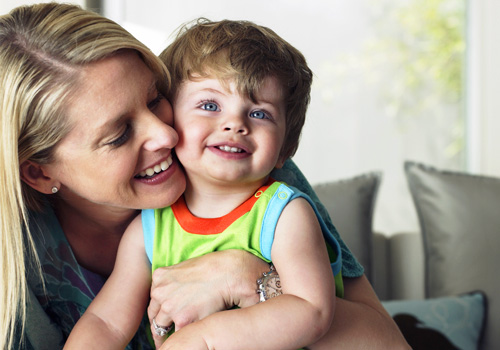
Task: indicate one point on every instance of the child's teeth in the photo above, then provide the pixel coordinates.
(230, 149)
(150, 171)
(164, 165)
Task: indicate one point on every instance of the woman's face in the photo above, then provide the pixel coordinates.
(119, 150)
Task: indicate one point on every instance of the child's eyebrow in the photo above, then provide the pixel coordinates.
(209, 90)
(215, 91)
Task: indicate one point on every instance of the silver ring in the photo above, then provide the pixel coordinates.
(160, 330)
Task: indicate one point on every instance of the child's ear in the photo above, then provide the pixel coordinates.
(280, 162)
(33, 174)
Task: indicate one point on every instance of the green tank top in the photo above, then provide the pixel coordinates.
(173, 234)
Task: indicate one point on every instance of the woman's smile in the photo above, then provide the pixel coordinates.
(123, 147)
(156, 169)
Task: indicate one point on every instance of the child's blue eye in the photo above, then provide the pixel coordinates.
(210, 106)
(259, 115)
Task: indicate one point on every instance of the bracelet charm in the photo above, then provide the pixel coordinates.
(269, 285)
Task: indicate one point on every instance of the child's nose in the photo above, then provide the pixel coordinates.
(235, 123)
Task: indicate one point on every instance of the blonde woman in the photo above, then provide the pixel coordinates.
(86, 141)
(74, 142)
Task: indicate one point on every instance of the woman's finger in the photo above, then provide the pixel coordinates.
(161, 330)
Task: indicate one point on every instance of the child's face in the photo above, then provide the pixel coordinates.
(225, 137)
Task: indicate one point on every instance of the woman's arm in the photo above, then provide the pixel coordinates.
(361, 322)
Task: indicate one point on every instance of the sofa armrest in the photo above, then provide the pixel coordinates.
(398, 265)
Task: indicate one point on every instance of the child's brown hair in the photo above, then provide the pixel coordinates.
(245, 53)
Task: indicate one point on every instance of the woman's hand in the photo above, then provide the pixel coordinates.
(201, 286)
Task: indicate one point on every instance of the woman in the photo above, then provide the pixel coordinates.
(86, 142)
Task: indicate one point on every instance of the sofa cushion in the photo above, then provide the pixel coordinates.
(440, 323)
(459, 216)
(350, 203)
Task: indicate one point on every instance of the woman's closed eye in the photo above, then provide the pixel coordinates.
(155, 102)
(120, 140)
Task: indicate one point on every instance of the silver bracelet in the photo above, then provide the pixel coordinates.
(269, 286)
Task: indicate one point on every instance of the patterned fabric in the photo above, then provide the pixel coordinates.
(69, 288)
(178, 235)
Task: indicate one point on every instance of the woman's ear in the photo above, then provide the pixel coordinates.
(34, 176)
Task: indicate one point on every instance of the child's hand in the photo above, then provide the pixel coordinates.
(188, 337)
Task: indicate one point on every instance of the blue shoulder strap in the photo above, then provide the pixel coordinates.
(280, 199)
(148, 229)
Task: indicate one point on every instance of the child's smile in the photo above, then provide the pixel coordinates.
(225, 137)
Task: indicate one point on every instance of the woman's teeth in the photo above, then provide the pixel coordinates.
(230, 149)
(157, 168)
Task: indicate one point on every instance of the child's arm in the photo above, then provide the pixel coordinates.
(114, 315)
(290, 321)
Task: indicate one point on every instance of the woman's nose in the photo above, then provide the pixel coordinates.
(160, 135)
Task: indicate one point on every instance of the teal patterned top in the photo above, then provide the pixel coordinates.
(292, 175)
(69, 288)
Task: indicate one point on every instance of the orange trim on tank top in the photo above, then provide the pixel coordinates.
(211, 226)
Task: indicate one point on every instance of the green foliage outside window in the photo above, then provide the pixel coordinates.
(422, 45)
(428, 41)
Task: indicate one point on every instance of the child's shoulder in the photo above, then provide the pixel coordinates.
(280, 194)
(283, 189)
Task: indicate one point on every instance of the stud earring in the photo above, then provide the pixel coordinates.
(54, 189)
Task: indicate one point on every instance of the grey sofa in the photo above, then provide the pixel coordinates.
(442, 279)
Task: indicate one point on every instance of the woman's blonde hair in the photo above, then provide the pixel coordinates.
(42, 50)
